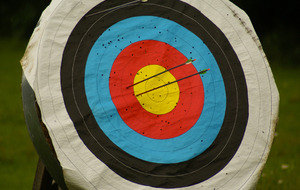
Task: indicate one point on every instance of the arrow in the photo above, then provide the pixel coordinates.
(186, 63)
(200, 72)
(117, 7)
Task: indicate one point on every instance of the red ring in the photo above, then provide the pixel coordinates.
(190, 104)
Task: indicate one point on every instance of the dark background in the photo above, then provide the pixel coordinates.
(277, 25)
(275, 21)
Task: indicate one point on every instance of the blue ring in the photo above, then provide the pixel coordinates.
(97, 72)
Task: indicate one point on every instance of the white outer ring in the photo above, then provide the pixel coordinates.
(82, 170)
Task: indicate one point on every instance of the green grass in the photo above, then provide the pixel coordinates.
(283, 165)
(18, 158)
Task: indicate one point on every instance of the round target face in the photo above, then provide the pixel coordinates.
(191, 122)
(153, 94)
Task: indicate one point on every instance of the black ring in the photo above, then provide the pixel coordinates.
(187, 173)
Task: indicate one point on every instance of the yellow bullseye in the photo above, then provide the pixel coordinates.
(159, 101)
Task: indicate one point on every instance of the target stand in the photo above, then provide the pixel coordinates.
(149, 94)
(43, 180)
(40, 137)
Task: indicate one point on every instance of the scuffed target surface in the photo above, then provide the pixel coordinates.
(74, 70)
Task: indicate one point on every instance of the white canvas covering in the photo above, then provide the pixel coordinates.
(81, 168)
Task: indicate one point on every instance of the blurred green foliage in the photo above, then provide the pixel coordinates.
(18, 159)
(270, 15)
(18, 18)
(282, 168)
(276, 23)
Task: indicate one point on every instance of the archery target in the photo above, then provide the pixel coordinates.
(159, 146)
(183, 121)
(186, 134)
